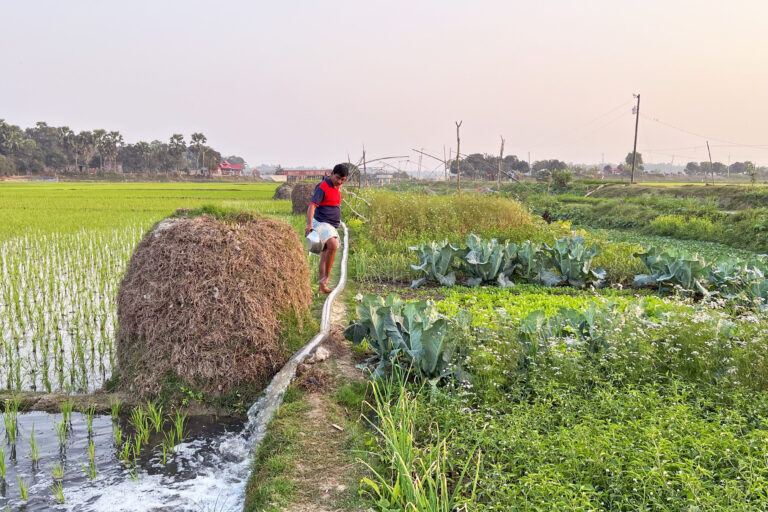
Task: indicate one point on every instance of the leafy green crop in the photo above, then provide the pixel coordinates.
(436, 260)
(410, 332)
(572, 260)
(489, 260)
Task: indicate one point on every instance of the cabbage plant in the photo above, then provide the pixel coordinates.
(668, 267)
(436, 260)
(489, 260)
(572, 260)
(411, 333)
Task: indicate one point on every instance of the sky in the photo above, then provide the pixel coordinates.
(313, 82)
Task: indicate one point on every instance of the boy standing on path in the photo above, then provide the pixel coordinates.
(324, 216)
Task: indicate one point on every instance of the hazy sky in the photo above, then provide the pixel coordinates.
(309, 82)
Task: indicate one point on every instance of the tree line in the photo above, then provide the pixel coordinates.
(45, 148)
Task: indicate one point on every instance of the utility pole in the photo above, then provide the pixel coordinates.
(445, 163)
(501, 155)
(711, 167)
(458, 158)
(420, 164)
(634, 149)
(365, 170)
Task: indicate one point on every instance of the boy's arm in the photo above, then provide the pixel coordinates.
(310, 215)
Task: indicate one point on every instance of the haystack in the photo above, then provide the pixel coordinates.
(201, 301)
(283, 191)
(301, 195)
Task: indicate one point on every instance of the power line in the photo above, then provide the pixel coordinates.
(728, 142)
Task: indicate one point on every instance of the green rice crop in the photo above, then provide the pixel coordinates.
(63, 250)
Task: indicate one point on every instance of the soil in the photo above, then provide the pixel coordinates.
(325, 473)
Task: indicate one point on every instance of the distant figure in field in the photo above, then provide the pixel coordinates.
(324, 216)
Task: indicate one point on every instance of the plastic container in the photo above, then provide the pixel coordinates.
(313, 243)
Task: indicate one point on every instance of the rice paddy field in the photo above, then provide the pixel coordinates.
(63, 250)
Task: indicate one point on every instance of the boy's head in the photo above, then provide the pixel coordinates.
(340, 173)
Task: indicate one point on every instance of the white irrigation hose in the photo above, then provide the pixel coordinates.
(261, 412)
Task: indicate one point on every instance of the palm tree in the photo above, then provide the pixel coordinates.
(176, 148)
(198, 139)
(99, 143)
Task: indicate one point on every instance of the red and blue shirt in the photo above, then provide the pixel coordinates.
(327, 200)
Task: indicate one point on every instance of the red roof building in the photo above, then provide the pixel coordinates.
(229, 169)
(303, 174)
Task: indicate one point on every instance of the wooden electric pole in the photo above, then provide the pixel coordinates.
(501, 155)
(634, 149)
(711, 167)
(458, 158)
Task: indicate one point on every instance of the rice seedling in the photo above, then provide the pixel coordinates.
(140, 423)
(118, 435)
(3, 469)
(125, 452)
(169, 441)
(178, 425)
(114, 406)
(61, 433)
(136, 448)
(57, 471)
(90, 469)
(23, 486)
(67, 407)
(155, 413)
(57, 490)
(89, 413)
(34, 450)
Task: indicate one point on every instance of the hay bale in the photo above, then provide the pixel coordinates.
(301, 196)
(283, 191)
(201, 301)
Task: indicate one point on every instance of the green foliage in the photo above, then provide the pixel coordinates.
(488, 261)
(394, 215)
(436, 260)
(572, 259)
(561, 178)
(413, 334)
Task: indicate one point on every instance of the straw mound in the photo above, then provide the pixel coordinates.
(201, 301)
(301, 196)
(283, 191)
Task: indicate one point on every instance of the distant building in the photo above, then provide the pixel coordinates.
(227, 169)
(303, 174)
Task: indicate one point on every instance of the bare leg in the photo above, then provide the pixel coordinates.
(326, 264)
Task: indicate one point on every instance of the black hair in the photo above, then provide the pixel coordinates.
(342, 169)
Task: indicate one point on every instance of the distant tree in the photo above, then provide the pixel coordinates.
(176, 149)
(719, 167)
(85, 148)
(7, 166)
(607, 168)
(198, 141)
(29, 158)
(737, 168)
(549, 165)
(98, 143)
(705, 167)
(751, 171)
(235, 160)
(561, 178)
(692, 168)
(638, 164)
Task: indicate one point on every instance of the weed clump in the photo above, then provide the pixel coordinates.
(202, 299)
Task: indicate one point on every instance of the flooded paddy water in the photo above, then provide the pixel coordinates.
(206, 472)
